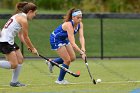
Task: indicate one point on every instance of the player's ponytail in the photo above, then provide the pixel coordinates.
(25, 7)
(19, 6)
(68, 16)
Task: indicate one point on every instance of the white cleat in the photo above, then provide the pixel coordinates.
(50, 67)
(62, 82)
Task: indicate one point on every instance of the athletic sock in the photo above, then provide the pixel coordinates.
(5, 64)
(58, 60)
(15, 73)
(62, 72)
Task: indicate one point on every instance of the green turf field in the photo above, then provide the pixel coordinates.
(118, 76)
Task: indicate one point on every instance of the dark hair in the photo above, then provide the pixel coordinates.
(25, 7)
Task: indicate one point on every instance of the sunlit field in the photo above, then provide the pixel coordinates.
(117, 75)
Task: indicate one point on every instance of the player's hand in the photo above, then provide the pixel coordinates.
(83, 50)
(33, 50)
(83, 55)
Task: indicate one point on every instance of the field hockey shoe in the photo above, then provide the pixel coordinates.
(62, 82)
(50, 67)
(17, 84)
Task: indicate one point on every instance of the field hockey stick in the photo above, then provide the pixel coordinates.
(61, 67)
(93, 80)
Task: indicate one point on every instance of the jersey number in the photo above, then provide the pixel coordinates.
(8, 23)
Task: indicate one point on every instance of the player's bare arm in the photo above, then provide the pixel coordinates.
(68, 27)
(81, 37)
(24, 24)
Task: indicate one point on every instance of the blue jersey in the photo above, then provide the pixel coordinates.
(59, 37)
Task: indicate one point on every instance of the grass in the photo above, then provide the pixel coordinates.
(115, 75)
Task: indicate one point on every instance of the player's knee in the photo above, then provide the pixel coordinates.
(20, 61)
(14, 65)
(67, 60)
(73, 58)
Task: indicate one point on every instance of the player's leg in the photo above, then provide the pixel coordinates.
(51, 65)
(16, 71)
(54, 46)
(60, 60)
(11, 62)
(71, 52)
(8, 51)
(72, 56)
(12, 58)
(63, 53)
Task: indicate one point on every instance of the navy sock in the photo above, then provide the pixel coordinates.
(58, 60)
(62, 72)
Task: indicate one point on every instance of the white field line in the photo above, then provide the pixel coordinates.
(117, 82)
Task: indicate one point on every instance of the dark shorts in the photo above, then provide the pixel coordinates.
(6, 48)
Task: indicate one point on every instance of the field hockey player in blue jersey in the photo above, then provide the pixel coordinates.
(62, 40)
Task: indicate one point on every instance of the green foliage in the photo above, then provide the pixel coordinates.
(88, 5)
(85, 5)
(50, 4)
(44, 4)
(111, 5)
(58, 4)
